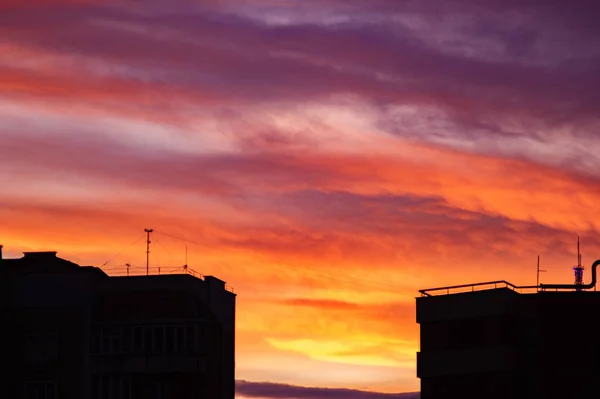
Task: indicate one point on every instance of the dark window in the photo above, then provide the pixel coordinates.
(127, 339)
(126, 386)
(199, 337)
(105, 386)
(105, 344)
(170, 339)
(111, 386)
(180, 339)
(95, 382)
(148, 339)
(435, 336)
(138, 340)
(41, 347)
(191, 338)
(467, 333)
(160, 390)
(40, 390)
(96, 338)
(116, 342)
(158, 339)
(115, 386)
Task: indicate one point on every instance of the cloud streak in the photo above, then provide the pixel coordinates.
(282, 391)
(326, 158)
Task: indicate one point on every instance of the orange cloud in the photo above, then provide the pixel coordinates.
(292, 158)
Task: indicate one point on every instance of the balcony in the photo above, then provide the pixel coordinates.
(153, 364)
(451, 362)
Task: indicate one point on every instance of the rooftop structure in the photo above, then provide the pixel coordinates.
(75, 332)
(498, 340)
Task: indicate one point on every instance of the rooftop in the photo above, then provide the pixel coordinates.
(140, 271)
(49, 262)
(488, 285)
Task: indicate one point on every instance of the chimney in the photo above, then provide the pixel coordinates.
(0, 253)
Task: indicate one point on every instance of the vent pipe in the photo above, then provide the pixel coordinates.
(574, 286)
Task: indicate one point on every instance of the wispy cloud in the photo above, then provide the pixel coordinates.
(326, 158)
(276, 391)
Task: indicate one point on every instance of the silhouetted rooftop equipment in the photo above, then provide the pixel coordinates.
(488, 285)
(578, 269)
(148, 231)
(492, 285)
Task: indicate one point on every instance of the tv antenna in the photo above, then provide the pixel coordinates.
(186, 259)
(148, 231)
(537, 282)
(578, 269)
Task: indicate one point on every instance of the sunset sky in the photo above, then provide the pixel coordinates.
(327, 158)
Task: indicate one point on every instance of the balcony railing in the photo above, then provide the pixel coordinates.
(128, 270)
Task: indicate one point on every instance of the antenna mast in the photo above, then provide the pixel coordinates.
(537, 282)
(148, 231)
(578, 270)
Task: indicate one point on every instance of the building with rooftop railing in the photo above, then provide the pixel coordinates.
(498, 340)
(75, 332)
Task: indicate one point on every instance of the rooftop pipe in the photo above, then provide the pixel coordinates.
(575, 286)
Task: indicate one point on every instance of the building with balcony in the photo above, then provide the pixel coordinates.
(496, 340)
(73, 332)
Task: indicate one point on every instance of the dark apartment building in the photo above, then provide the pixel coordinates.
(497, 340)
(73, 332)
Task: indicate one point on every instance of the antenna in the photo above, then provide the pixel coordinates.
(578, 270)
(537, 282)
(148, 231)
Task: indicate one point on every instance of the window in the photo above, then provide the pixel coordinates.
(158, 339)
(148, 339)
(116, 341)
(467, 333)
(127, 339)
(96, 340)
(111, 386)
(201, 342)
(180, 339)
(160, 390)
(170, 339)
(40, 390)
(106, 339)
(138, 342)
(40, 347)
(191, 338)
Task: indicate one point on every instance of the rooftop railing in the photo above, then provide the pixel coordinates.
(127, 270)
(488, 285)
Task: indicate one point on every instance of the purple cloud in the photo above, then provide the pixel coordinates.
(389, 63)
(507, 78)
(283, 391)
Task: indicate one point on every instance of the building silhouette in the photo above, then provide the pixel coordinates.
(497, 340)
(73, 332)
